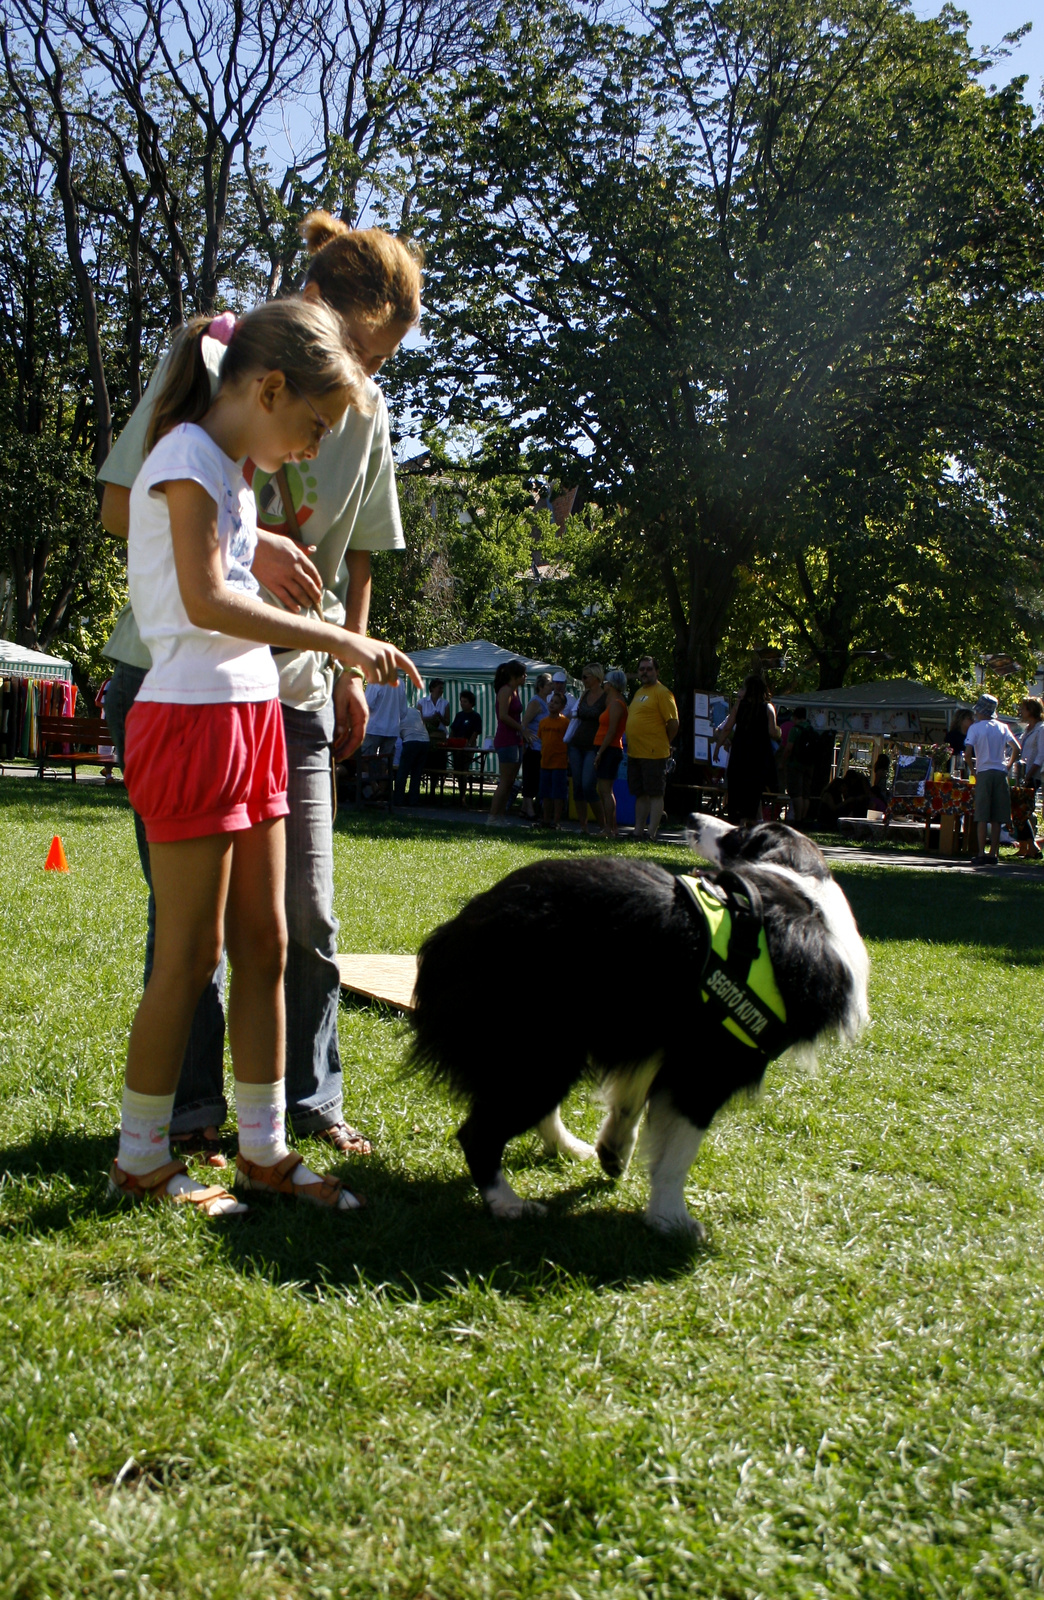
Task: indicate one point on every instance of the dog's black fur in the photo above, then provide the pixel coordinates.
(631, 1017)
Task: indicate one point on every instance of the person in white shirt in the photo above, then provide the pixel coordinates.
(416, 748)
(1031, 711)
(987, 742)
(560, 685)
(386, 702)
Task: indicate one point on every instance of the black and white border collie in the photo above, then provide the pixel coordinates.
(635, 1016)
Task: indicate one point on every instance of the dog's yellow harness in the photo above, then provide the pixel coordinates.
(737, 978)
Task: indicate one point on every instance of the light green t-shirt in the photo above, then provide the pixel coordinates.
(344, 499)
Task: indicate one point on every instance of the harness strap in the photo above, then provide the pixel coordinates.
(737, 981)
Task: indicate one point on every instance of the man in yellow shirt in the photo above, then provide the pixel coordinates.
(652, 724)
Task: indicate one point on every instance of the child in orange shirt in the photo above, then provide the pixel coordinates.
(554, 761)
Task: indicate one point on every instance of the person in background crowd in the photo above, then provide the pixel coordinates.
(385, 702)
(554, 761)
(609, 746)
(317, 529)
(434, 708)
(987, 741)
(581, 743)
(847, 796)
(750, 727)
(510, 738)
(652, 727)
(535, 712)
(1031, 710)
(413, 757)
(466, 725)
(962, 721)
(879, 791)
(559, 681)
(797, 759)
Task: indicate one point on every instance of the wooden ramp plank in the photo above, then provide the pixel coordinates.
(380, 977)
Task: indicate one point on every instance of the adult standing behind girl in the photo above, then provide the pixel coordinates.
(510, 737)
(589, 709)
(205, 755)
(535, 713)
(751, 728)
(338, 508)
(609, 746)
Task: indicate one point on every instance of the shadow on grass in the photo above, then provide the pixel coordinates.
(1005, 918)
(416, 1238)
(30, 793)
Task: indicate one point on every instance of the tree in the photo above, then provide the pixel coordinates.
(701, 260)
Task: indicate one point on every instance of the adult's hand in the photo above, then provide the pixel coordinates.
(351, 714)
(286, 571)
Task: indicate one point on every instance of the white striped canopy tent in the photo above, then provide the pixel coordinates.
(473, 666)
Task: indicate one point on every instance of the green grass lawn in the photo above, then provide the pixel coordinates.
(839, 1394)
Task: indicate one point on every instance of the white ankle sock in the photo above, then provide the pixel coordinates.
(144, 1130)
(145, 1144)
(261, 1114)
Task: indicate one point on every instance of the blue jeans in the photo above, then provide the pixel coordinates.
(312, 986)
(582, 771)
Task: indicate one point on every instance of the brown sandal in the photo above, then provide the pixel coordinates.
(326, 1192)
(153, 1185)
(196, 1143)
(345, 1139)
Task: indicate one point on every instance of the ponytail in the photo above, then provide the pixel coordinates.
(304, 341)
(187, 393)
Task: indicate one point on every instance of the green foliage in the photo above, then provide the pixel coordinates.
(701, 261)
(841, 1394)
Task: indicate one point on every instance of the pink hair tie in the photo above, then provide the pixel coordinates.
(222, 328)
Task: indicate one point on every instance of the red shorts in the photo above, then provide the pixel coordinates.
(195, 770)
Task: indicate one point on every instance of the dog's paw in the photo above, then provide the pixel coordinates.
(614, 1162)
(676, 1222)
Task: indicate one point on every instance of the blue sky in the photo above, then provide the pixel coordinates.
(990, 21)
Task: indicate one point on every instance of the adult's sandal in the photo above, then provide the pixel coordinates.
(345, 1139)
(213, 1200)
(277, 1179)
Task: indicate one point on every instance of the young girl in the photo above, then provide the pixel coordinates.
(205, 754)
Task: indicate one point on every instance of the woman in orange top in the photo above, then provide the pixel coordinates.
(609, 746)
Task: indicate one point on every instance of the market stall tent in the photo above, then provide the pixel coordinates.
(32, 663)
(473, 666)
(898, 708)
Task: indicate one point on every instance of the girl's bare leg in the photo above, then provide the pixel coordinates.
(190, 883)
(255, 937)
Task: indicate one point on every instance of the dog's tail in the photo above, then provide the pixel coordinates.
(443, 1042)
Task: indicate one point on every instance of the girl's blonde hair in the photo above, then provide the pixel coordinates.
(303, 340)
(363, 272)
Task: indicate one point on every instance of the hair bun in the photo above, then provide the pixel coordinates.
(319, 227)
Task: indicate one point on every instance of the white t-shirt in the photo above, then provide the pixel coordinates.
(988, 742)
(386, 701)
(344, 499)
(434, 708)
(411, 726)
(1033, 746)
(190, 665)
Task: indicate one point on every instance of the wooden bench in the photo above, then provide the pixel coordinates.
(89, 733)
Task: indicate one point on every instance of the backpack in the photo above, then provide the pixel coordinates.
(804, 746)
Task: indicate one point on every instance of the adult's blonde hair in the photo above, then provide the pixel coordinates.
(363, 272)
(302, 339)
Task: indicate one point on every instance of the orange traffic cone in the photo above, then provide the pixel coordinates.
(56, 861)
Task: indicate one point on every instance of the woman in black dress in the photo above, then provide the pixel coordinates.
(750, 729)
